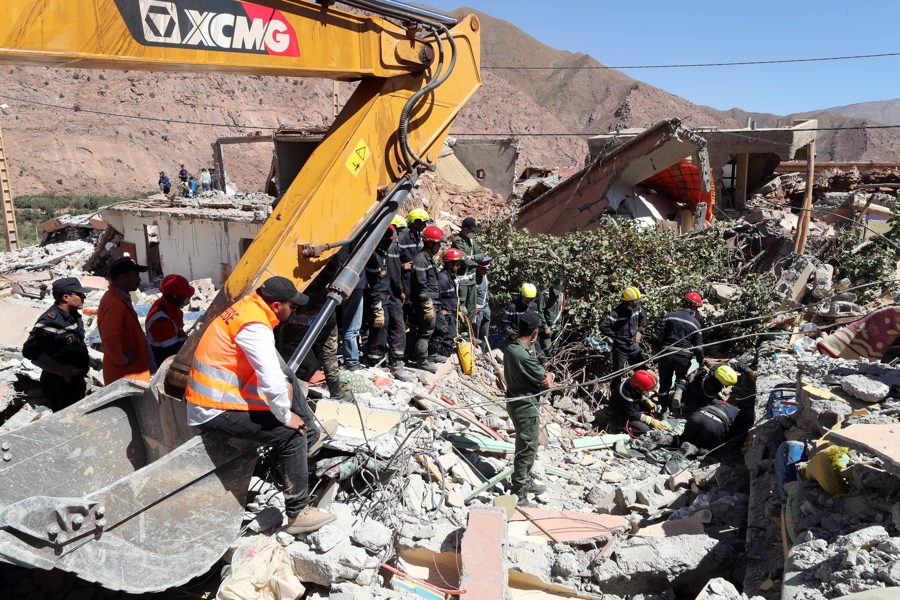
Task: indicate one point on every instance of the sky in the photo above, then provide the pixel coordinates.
(656, 32)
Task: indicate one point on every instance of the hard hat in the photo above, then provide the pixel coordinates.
(432, 233)
(528, 290)
(399, 222)
(695, 298)
(643, 380)
(176, 285)
(631, 293)
(417, 214)
(390, 233)
(452, 254)
(726, 375)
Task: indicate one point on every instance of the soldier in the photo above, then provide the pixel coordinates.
(471, 255)
(56, 345)
(482, 305)
(551, 304)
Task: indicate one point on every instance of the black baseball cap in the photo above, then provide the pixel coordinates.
(281, 289)
(125, 265)
(471, 224)
(528, 323)
(559, 284)
(69, 285)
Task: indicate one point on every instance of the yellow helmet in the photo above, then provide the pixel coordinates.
(417, 214)
(726, 375)
(399, 222)
(528, 290)
(631, 293)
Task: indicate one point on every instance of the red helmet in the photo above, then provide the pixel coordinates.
(176, 285)
(643, 380)
(694, 298)
(433, 234)
(452, 254)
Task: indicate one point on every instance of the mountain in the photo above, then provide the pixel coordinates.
(886, 112)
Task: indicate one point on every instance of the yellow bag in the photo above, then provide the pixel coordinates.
(464, 354)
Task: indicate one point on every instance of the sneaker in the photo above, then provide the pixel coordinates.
(310, 519)
(676, 399)
(427, 366)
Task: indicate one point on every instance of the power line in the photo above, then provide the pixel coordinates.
(77, 108)
(690, 65)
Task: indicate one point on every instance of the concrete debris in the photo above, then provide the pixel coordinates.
(864, 388)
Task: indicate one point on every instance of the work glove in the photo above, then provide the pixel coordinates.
(657, 425)
(378, 311)
(428, 308)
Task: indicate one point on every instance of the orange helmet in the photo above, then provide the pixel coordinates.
(176, 285)
(643, 380)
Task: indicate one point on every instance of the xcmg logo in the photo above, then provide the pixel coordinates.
(221, 25)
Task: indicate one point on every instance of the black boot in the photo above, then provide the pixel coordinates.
(337, 392)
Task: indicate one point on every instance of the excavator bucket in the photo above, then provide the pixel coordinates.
(125, 495)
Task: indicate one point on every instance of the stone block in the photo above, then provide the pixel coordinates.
(371, 535)
(484, 573)
(863, 538)
(344, 562)
(864, 388)
(326, 538)
(681, 481)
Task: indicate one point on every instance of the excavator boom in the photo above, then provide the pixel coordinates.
(116, 488)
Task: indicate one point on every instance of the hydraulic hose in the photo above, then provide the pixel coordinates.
(401, 10)
(348, 276)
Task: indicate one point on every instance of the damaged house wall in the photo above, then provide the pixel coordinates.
(492, 162)
(193, 244)
(580, 202)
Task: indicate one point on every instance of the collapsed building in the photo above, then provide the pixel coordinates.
(417, 473)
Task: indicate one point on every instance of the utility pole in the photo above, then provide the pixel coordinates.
(10, 232)
(803, 222)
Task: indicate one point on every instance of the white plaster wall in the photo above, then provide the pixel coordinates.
(194, 248)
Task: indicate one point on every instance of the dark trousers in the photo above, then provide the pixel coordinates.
(421, 333)
(704, 431)
(676, 365)
(58, 393)
(390, 339)
(620, 358)
(527, 423)
(442, 339)
(291, 446)
(162, 353)
(482, 327)
(468, 297)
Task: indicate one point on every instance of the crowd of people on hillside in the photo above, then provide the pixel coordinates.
(413, 304)
(189, 186)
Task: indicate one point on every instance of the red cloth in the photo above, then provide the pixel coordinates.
(869, 337)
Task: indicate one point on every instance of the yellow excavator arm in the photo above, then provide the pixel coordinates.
(117, 488)
(382, 135)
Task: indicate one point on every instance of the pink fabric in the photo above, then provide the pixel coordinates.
(869, 337)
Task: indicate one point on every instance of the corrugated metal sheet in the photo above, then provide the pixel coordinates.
(452, 171)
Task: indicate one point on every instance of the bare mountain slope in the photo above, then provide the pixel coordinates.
(886, 112)
(585, 100)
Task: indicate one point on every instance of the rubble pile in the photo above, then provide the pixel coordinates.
(791, 188)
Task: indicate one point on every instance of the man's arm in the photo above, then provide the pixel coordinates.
(607, 324)
(258, 344)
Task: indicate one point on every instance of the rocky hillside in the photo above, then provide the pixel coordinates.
(885, 111)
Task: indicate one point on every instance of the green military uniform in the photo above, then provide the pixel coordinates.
(523, 374)
(550, 310)
(468, 290)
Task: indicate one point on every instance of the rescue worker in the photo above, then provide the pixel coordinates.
(711, 425)
(524, 378)
(482, 305)
(450, 316)
(676, 338)
(509, 324)
(409, 243)
(57, 345)
(384, 296)
(126, 353)
(625, 327)
(425, 292)
(628, 397)
(706, 387)
(551, 303)
(399, 224)
(471, 254)
(165, 321)
(237, 386)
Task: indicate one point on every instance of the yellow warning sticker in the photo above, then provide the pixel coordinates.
(358, 157)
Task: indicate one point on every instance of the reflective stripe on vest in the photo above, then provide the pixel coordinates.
(160, 314)
(221, 376)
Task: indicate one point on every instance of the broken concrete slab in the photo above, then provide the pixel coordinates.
(571, 526)
(484, 574)
(882, 441)
(865, 388)
(692, 525)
